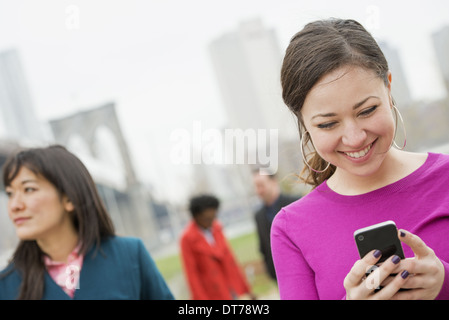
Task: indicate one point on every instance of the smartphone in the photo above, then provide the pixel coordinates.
(382, 236)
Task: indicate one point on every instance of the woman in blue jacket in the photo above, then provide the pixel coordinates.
(68, 248)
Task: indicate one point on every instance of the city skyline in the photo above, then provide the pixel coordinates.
(151, 59)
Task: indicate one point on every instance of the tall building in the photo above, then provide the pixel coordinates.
(18, 120)
(399, 86)
(247, 64)
(441, 45)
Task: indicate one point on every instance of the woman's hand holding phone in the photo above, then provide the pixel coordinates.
(423, 274)
(361, 287)
(426, 270)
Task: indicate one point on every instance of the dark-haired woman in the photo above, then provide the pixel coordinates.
(68, 248)
(336, 80)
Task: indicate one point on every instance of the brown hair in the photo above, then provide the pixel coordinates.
(71, 178)
(319, 48)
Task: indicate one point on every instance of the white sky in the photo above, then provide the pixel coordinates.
(151, 58)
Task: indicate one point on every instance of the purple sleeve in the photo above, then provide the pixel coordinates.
(444, 293)
(296, 280)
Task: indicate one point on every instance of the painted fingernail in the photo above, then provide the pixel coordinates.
(402, 234)
(396, 259)
(404, 274)
(377, 254)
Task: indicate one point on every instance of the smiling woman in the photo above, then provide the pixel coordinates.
(337, 82)
(353, 137)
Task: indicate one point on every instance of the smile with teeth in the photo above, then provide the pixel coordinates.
(359, 154)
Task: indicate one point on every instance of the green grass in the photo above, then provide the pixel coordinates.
(169, 266)
(246, 247)
(246, 251)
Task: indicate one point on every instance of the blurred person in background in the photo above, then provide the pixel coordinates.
(68, 248)
(209, 264)
(273, 200)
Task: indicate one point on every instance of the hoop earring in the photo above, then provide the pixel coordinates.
(398, 115)
(304, 157)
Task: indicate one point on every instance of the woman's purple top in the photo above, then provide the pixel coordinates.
(312, 239)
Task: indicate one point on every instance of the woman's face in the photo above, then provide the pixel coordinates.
(36, 208)
(348, 116)
(206, 218)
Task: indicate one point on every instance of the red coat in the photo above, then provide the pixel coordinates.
(211, 270)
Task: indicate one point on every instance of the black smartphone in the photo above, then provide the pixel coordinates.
(382, 236)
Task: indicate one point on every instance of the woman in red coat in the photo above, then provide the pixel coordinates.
(210, 267)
